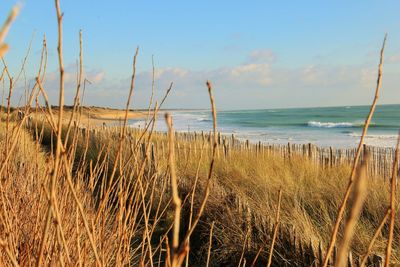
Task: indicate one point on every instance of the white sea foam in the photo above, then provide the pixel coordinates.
(348, 134)
(319, 124)
(375, 136)
(182, 121)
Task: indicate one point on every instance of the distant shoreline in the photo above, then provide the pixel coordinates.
(94, 115)
(145, 110)
(320, 126)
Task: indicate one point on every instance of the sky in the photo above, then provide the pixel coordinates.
(257, 54)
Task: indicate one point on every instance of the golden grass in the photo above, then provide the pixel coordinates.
(240, 189)
(25, 199)
(116, 196)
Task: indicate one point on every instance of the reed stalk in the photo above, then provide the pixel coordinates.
(343, 204)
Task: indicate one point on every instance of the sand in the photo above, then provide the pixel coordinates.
(99, 115)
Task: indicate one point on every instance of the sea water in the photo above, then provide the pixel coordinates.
(340, 127)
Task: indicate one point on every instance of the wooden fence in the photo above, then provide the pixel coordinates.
(379, 164)
(291, 249)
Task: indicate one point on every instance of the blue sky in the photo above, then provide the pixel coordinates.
(259, 54)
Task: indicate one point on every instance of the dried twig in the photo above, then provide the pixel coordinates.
(377, 232)
(277, 218)
(210, 244)
(359, 194)
(57, 160)
(175, 195)
(210, 170)
(241, 259)
(392, 206)
(342, 206)
(6, 27)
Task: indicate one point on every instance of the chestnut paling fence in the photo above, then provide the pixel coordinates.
(379, 164)
(291, 249)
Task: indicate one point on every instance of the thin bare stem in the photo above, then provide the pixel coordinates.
(78, 87)
(174, 187)
(277, 218)
(59, 130)
(359, 194)
(6, 27)
(122, 134)
(152, 88)
(193, 195)
(372, 242)
(342, 206)
(210, 170)
(392, 203)
(244, 249)
(210, 244)
(9, 253)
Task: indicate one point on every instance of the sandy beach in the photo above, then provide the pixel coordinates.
(97, 115)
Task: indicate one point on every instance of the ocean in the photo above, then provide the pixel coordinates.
(339, 127)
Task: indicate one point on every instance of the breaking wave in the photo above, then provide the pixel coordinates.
(319, 124)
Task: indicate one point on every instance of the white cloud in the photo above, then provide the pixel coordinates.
(250, 74)
(368, 77)
(311, 75)
(394, 58)
(262, 56)
(256, 83)
(177, 72)
(70, 77)
(254, 75)
(251, 85)
(95, 76)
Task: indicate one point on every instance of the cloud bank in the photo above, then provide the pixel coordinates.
(258, 82)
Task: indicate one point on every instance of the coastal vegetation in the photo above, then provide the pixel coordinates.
(77, 192)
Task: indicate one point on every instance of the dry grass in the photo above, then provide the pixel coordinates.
(311, 196)
(241, 189)
(114, 196)
(26, 199)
